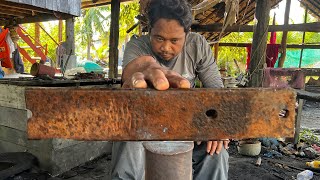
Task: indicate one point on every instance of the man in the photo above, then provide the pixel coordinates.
(170, 57)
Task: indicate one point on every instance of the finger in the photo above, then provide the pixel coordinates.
(226, 144)
(126, 84)
(214, 147)
(209, 145)
(138, 80)
(198, 142)
(219, 147)
(176, 80)
(157, 77)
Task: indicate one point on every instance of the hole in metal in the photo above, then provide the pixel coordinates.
(284, 113)
(211, 113)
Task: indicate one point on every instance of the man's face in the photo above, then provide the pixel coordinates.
(167, 38)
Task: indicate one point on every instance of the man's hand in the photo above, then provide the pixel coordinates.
(145, 71)
(216, 146)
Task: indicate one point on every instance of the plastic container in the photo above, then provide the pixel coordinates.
(305, 175)
(314, 164)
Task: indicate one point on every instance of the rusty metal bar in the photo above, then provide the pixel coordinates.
(168, 160)
(194, 114)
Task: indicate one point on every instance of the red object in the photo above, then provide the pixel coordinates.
(5, 50)
(38, 69)
(272, 53)
(273, 38)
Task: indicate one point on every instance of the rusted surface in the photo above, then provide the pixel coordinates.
(195, 114)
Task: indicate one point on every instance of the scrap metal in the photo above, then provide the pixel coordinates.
(132, 114)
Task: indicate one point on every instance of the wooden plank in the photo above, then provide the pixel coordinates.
(71, 7)
(216, 27)
(12, 96)
(300, 46)
(310, 96)
(70, 49)
(114, 39)
(39, 3)
(49, 4)
(284, 35)
(122, 114)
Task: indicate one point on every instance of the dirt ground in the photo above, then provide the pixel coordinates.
(241, 167)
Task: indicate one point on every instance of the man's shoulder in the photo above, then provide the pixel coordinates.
(144, 39)
(193, 37)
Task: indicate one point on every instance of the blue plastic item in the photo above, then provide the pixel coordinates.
(90, 66)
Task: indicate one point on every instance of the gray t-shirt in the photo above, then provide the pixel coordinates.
(195, 59)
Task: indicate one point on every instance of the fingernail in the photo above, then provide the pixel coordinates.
(135, 82)
(218, 152)
(184, 84)
(161, 84)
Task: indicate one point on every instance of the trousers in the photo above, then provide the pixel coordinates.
(128, 159)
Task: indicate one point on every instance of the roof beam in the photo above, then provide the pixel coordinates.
(216, 27)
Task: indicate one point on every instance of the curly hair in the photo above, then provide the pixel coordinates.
(179, 10)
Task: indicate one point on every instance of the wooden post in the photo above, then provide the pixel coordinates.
(284, 35)
(303, 36)
(216, 51)
(114, 39)
(60, 31)
(37, 33)
(70, 36)
(36, 36)
(259, 43)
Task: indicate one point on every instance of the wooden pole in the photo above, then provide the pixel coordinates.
(37, 33)
(60, 31)
(36, 36)
(216, 51)
(284, 35)
(259, 43)
(303, 36)
(70, 36)
(216, 27)
(114, 39)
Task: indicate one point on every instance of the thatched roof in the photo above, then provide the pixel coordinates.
(215, 14)
(313, 7)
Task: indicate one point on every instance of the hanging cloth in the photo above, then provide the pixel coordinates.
(4, 50)
(272, 53)
(18, 64)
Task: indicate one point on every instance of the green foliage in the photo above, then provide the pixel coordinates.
(308, 136)
(95, 22)
(227, 55)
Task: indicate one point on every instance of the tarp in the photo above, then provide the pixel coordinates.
(310, 57)
(90, 66)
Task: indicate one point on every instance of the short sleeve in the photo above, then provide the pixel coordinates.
(207, 69)
(135, 48)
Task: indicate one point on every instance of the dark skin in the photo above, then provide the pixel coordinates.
(167, 40)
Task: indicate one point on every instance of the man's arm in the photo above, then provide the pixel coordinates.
(142, 70)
